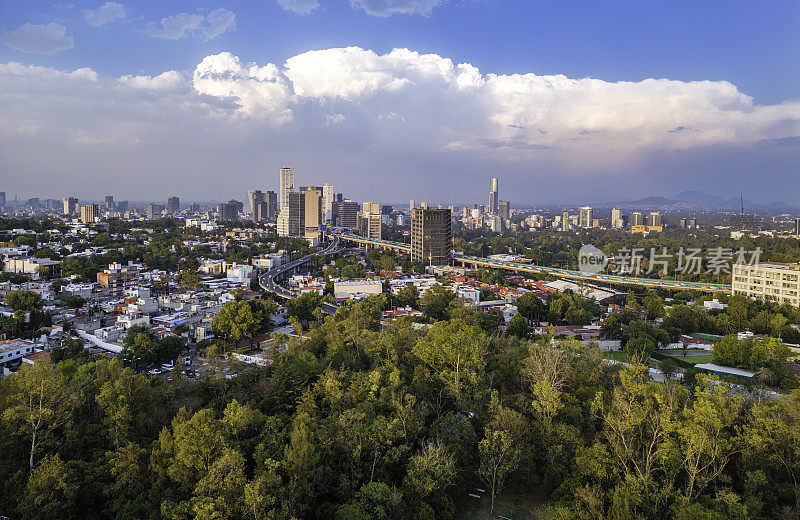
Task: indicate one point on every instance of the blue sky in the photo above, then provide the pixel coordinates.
(752, 48)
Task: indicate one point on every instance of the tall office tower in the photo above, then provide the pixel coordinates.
(154, 211)
(616, 218)
(585, 217)
(371, 220)
(504, 210)
(173, 205)
(109, 205)
(328, 197)
(291, 219)
(654, 219)
(431, 236)
(121, 206)
(496, 224)
(494, 197)
(194, 208)
(2, 198)
(692, 222)
(229, 210)
(286, 186)
(346, 213)
(312, 211)
(637, 219)
(89, 213)
(797, 226)
(70, 205)
(565, 220)
(253, 197)
(683, 223)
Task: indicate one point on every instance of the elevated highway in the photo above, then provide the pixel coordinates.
(613, 279)
(269, 280)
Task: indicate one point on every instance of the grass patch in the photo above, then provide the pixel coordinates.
(617, 355)
(695, 360)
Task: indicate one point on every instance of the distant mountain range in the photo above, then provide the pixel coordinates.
(695, 198)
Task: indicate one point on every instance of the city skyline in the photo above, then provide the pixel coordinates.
(197, 99)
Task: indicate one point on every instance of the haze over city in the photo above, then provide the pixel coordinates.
(393, 100)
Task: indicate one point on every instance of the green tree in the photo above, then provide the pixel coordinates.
(455, 351)
(518, 326)
(435, 301)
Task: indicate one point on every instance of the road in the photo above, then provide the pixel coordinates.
(614, 279)
(268, 283)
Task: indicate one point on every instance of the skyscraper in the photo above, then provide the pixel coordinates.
(312, 211)
(431, 236)
(70, 205)
(328, 197)
(654, 219)
(565, 220)
(286, 186)
(504, 210)
(154, 211)
(585, 217)
(797, 227)
(371, 220)
(637, 219)
(173, 205)
(346, 214)
(494, 197)
(291, 219)
(89, 213)
(616, 218)
(109, 205)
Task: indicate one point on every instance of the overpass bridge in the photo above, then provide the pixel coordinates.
(613, 279)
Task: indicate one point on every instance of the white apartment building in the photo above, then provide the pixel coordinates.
(779, 283)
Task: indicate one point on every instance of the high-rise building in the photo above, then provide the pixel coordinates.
(194, 208)
(494, 196)
(70, 205)
(411, 204)
(254, 197)
(616, 218)
(229, 210)
(371, 220)
(346, 214)
(585, 217)
(89, 213)
(565, 220)
(312, 211)
(504, 210)
(692, 223)
(291, 219)
(797, 226)
(173, 205)
(496, 224)
(109, 204)
(654, 219)
(328, 197)
(2, 198)
(286, 186)
(121, 206)
(154, 211)
(637, 219)
(431, 236)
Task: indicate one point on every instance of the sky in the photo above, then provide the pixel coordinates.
(391, 100)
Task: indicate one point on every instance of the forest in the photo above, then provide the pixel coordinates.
(403, 422)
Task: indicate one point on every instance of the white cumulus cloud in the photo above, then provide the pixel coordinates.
(170, 80)
(205, 27)
(386, 8)
(299, 6)
(401, 114)
(49, 38)
(108, 12)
